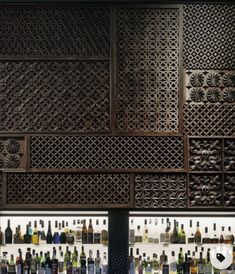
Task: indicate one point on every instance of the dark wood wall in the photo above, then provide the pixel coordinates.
(117, 106)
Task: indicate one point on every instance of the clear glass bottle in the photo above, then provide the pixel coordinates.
(105, 264)
(173, 263)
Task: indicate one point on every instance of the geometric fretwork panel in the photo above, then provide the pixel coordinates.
(12, 153)
(54, 31)
(55, 96)
(158, 191)
(205, 154)
(229, 154)
(209, 120)
(210, 86)
(205, 190)
(147, 70)
(106, 152)
(73, 189)
(229, 190)
(209, 36)
(1, 184)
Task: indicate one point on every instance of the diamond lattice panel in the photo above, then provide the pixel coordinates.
(54, 31)
(105, 152)
(158, 191)
(55, 96)
(147, 70)
(209, 120)
(209, 41)
(73, 189)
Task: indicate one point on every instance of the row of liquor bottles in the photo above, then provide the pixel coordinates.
(188, 263)
(177, 234)
(61, 233)
(45, 263)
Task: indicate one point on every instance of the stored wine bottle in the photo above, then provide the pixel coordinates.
(84, 233)
(131, 262)
(193, 264)
(104, 234)
(49, 236)
(27, 262)
(97, 263)
(174, 235)
(83, 261)
(90, 233)
(206, 239)
(1, 236)
(17, 238)
(19, 263)
(8, 233)
(221, 239)
(200, 265)
(63, 234)
(56, 236)
(27, 237)
(145, 235)
(91, 263)
(48, 265)
(173, 264)
(42, 236)
(97, 233)
(11, 265)
(198, 235)
(33, 264)
(215, 238)
(105, 264)
(35, 237)
(182, 235)
(54, 262)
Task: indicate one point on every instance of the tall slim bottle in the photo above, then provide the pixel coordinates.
(132, 262)
(97, 263)
(91, 263)
(35, 236)
(84, 233)
(104, 234)
(19, 263)
(1, 236)
(8, 233)
(173, 264)
(104, 264)
(145, 235)
(90, 233)
(198, 235)
(11, 265)
(200, 265)
(83, 261)
(193, 264)
(174, 234)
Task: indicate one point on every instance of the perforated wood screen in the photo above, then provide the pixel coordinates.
(128, 106)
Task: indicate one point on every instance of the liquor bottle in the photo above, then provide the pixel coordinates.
(42, 237)
(1, 236)
(191, 237)
(145, 235)
(83, 261)
(4, 263)
(208, 266)
(33, 265)
(165, 268)
(132, 232)
(75, 257)
(90, 233)
(70, 237)
(69, 265)
(221, 239)
(97, 233)
(27, 262)
(182, 236)
(144, 261)
(84, 232)
(229, 238)
(30, 229)
(35, 237)
(214, 239)
(91, 263)
(206, 239)
(104, 264)
(180, 261)
(198, 235)
(66, 257)
(167, 232)
(48, 264)
(41, 266)
(148, 268)
(104, 234)
(200, 265)
(193, 264)
(19, 263)
(174, 234)
(138, 236)
(163, 259)
(97, 263)
(54, 262)
(49, 238)
(56, 236)
(63, 234)
(155, 263)
(173, 264)
(8, 233)
(61, 263)
(17, 238)
(186, 264)
(132, 262)
(11, 265)
(27, 237)
(140, 267)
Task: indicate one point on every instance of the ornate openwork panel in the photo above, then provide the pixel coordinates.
(12, 153)
(209, 36)
(210, 86)
(205, 191)
(147, 70)
(54, 31)
(157, 191)
(68, 189)
(209, 120)
(205, 155)
(229, 154)
(229, 188)
(55, 96)
(106, 152)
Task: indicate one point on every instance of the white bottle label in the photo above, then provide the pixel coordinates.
(105, 269)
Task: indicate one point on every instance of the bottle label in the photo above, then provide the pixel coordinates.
(19, 268)
(41, 270)
(200, 269)
(47, 270)
(97, 238)
(91, 268)
(97, 270)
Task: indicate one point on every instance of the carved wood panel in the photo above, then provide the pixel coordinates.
(229, 187)
(160, 191)
(53, 31)
(42, 96)
(147, 70)
(229, 154)
(106, 152)
(45, 190)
